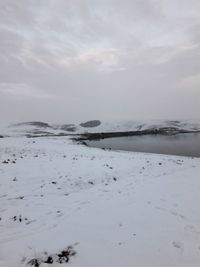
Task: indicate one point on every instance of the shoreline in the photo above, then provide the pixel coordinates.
(104, 135)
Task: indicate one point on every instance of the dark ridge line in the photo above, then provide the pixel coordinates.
(103, 135)
(50, 135)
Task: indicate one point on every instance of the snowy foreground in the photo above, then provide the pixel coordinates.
(60, 202)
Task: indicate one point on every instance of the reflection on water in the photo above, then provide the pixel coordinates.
(181, 144)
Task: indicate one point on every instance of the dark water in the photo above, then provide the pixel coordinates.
(181, 144)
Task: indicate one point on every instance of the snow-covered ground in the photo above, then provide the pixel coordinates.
(112, 208)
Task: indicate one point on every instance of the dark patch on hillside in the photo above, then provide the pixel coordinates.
(90, 124)
(34, 123)
(68, 127)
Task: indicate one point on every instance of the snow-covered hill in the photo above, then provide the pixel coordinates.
(41, 128)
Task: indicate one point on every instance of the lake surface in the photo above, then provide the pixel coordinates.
(180, 144)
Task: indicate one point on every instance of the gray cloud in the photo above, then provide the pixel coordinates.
(64, 61)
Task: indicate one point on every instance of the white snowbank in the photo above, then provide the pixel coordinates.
(115, 208)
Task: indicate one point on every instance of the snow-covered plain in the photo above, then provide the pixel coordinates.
(114, 208)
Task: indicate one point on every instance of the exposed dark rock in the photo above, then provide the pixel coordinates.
(90, 124)
(49, 260)
(20, 197)
(68, 127)
(17, 218)
(65, 255)
(34, 263)
(61, 258)
(5, 162)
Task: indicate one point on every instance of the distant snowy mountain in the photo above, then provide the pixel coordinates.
(42, 128)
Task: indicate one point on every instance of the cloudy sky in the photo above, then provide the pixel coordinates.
(75, 60)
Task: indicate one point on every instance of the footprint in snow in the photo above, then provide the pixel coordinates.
(177, 214)
(177, 245)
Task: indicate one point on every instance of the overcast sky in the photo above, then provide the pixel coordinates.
(76, 60)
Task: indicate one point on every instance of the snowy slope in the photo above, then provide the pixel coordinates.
(113, 126)
(114, 208)
(41, 128)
